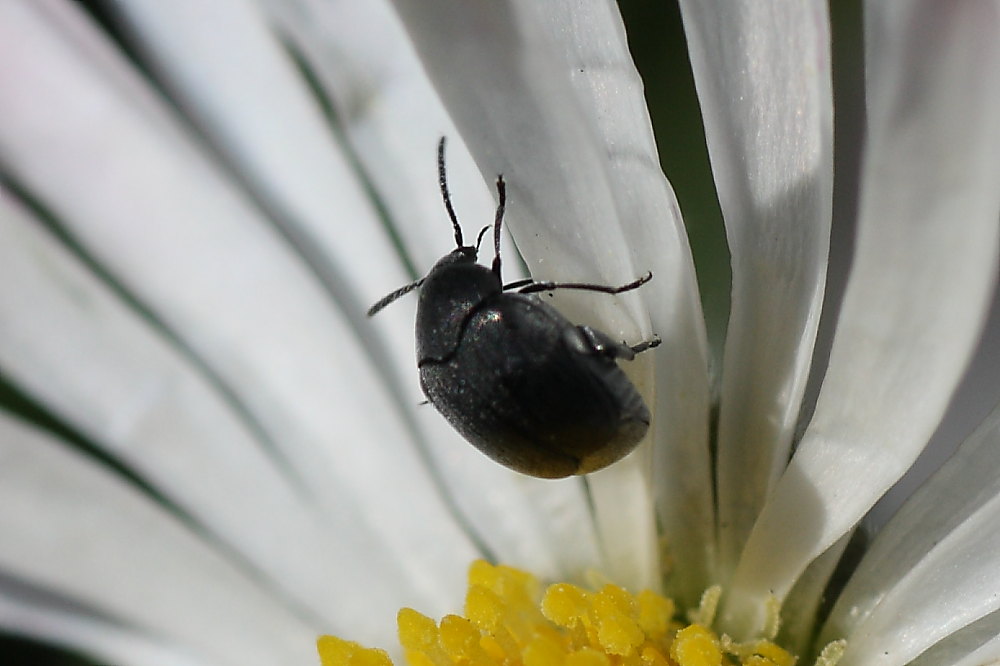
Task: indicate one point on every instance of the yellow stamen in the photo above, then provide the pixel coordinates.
(696, 645)
(334, 651)
(509, 621)
(832, 653)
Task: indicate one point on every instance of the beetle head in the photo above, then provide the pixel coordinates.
(454, 289)
(465, 254)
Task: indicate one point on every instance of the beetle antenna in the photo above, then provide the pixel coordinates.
(389, 298)
(443, 182)
(479, 238)
(501, 204)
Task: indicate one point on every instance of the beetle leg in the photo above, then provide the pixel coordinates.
(533, 287)
(518, 283)
(589, 340)
(603, 345)
(647, 344)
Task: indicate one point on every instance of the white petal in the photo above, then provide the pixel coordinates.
(925, 267)
(622, 497)
(763, 76)
(71, 539)
(960, 489)
(115, 381)
(608, 85)
(45, 617)
(799, 611)
(953, 585)
(976, 645)
(546, 95)
(976, 396)
(509, 91)
(157, 214)
(610, 92)
(393, 118)
(247, 95)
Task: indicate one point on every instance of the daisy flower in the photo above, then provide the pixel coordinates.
(209, 455)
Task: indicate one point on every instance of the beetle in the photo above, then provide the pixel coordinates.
(512, 375)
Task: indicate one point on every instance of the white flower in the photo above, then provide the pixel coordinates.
(221, 457)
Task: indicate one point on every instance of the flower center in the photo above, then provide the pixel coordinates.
(509, 621)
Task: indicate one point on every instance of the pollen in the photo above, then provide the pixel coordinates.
(510, 620)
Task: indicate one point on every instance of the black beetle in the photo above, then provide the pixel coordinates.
(517, 379)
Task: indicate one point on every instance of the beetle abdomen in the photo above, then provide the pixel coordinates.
(522, 391)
